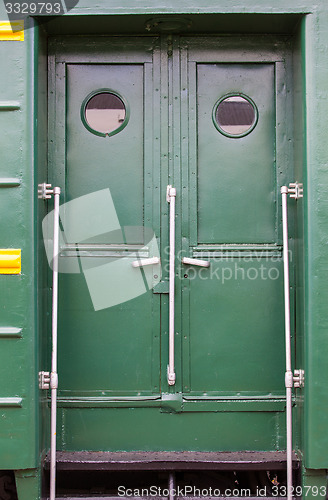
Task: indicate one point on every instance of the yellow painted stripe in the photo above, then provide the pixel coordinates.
(10, 261)
(7, 33)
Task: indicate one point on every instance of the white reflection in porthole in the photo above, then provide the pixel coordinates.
(105, 112)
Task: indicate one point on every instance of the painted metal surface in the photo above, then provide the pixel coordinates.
(116, 350)
(310, 111)
(99, 372)
(18, 364)
(221, 195)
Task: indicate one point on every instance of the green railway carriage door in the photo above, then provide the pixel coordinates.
(233, 330)
(128, 117)
(103, 124)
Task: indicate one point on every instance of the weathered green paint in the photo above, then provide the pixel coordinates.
(236, 169)
(28, 484)
(18, 427)
(18, 366)
(44, 304)
(115, 350)
(170, 431)
(299, 250)
(114, 353)
(315, 237)
(314, 483)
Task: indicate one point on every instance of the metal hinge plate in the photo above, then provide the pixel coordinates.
(44, 380)
(45, 191)
(298, 378)
(295, 190)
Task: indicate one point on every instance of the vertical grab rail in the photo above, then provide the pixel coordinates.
(289, 382)
(53, 374)
(170, 197)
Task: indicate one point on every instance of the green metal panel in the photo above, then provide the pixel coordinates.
(109, 360)
(43, 293)
(16, 163)
(114, 350)
(148, 429)
(236, 328)
(28, 484)
(233, 311)
(191, 7)
(18, 387)
(299, 250)
(236, 177)
(315, 37)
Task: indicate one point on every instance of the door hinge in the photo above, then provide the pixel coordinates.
(45, 191)
(44, 380)
(295, 190)
(298, 378)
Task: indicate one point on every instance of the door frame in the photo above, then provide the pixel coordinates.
(175, 155)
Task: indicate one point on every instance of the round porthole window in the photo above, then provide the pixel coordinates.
(104, 113)
(235, 115)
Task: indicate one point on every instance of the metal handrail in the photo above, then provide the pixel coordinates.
(289, 374)
(170, 196)
(53, 374)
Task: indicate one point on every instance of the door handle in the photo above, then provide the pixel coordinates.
(196, 262)
(171, 193)
(146, 262)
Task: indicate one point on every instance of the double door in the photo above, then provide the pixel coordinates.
(209, 117)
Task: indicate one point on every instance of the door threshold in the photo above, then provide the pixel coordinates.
(186, 460)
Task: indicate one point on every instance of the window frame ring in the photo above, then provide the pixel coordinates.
(226, 96)
(104, 91)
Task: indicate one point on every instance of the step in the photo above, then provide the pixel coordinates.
(189, 460)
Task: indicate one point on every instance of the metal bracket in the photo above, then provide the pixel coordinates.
(53, 380)
(170, 191)
(45, 191)
(289, 379)
(295, 379)
(44, 380)
(161, 287)
(170, 376)
(295, 190)
(298, 378)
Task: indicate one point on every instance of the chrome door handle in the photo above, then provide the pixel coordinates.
(196, 262)
(146, 262)
(170, 197)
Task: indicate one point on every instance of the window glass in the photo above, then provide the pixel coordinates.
(105, 112)
(235, 116)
